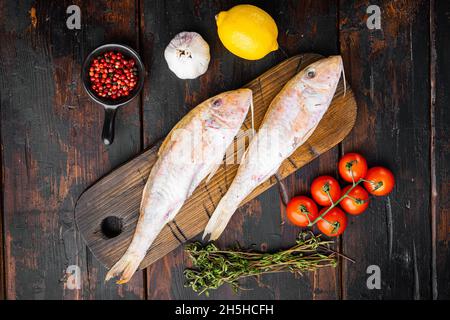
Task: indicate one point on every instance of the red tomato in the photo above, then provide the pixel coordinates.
(356, 201)
(333, 223)
(301, 211)
(380, 181)
(352, 164)
(323, 188)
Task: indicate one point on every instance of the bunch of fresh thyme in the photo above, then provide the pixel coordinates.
(213, 267)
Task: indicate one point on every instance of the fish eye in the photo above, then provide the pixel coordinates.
(217, 103)
(311, 73)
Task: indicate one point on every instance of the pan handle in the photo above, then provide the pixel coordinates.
(108, 126)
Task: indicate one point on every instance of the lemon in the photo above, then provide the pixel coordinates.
(247, 31)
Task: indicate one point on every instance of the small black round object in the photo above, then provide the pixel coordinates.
(311, 74)
(111, 227)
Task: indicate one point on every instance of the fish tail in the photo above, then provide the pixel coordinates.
(125, 268)
(218, 220)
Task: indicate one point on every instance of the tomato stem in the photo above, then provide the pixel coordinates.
(357, 200)
(334, 204)
(309, 220)
(326, 220)
(353, 177)
(329, 196)
(336, 225)
(349, 166)
(376, 185)
(305, 211)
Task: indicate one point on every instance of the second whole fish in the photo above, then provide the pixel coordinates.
(291, 118)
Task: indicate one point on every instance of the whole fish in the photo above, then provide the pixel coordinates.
(291, 118)
(193, 149)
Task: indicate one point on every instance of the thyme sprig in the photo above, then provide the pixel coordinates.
(213, 267)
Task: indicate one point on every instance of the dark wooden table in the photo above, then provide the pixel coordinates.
(52, 151)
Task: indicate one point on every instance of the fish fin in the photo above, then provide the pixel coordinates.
(252, 109)
(194, 184)
(125, 268)
(253, 132)
(345, 82)
(182, 123)
(218, 221)
(213, 172)
(244, 154)
(197, 179)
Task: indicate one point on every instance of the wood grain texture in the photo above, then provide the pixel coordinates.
(51, 143)
(389, 70)
(2, 257)
(304, 26)
(440, 149)
(51, 150)
(119, 193)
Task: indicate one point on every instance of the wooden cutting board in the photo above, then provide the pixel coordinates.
(106, 214)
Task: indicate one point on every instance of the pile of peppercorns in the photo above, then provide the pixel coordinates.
(113, 75)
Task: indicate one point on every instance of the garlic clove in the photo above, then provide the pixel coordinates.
(187, 55)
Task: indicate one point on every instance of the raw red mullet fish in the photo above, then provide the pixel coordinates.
(193, 149)
(291, 118)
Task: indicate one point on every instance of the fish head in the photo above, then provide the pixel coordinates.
(319, 81)
(231, 107)
(323, 73)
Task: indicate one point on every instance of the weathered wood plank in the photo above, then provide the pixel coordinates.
(49, 133)
(2, 256)
(168, 99)
(304, 26)
(51, 143)
(388, 70)
(440, 148)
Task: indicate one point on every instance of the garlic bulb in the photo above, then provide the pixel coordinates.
(187, 55)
